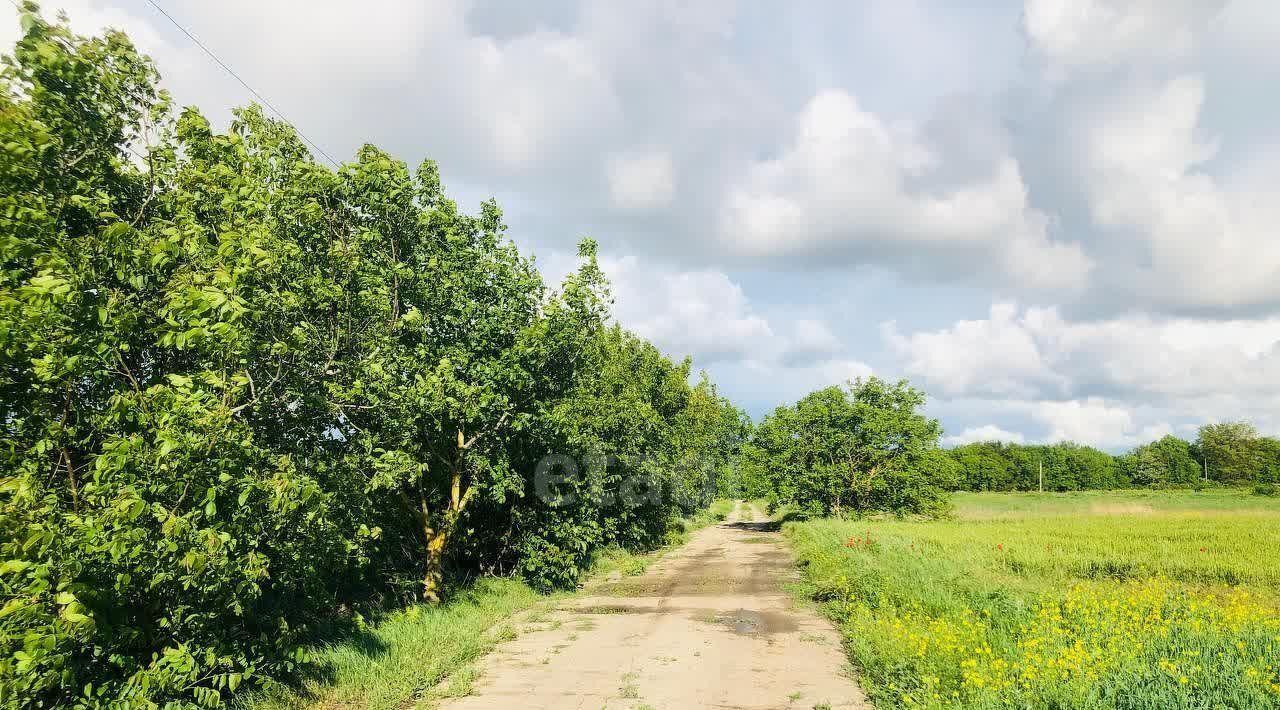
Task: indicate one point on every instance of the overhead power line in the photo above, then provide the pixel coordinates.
(243, 83)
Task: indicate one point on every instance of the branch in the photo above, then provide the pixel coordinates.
(501, 420)
(253, 393)
(340, 405)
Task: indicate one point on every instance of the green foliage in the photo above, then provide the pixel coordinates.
(995, 466)
(385, 666)
(865, 449)
(650, 447)
(1235, 452)
(241, 392)
(1167, 462)
(984, 466)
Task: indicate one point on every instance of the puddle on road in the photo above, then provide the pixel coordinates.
(750, 622)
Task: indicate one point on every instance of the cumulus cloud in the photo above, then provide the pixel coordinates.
(852, 187)
(986, 432)
(641, 181)
(809, 341)
(1094, 421)
(1208, 241)
(1035, 352)
(1111, 160)
(705, 314)
(1088, 34)
(1000, 355)
(1177, 205)
(700, 313)
(1101, 381)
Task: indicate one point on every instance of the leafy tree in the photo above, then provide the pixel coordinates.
(1164, 462)
(1094, 469)
(710, 435)
(984, 466)
(859, 448)
(1270, 453)
(1234, 451)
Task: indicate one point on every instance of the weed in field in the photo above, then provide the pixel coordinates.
(629, 690)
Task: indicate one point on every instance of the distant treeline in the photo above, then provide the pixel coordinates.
(1231, 453)
(866, 448)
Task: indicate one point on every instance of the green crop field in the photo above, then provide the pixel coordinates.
(1126, 599)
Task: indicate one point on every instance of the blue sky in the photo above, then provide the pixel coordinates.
(1056, 216)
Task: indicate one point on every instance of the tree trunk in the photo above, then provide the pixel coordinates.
(433, 577)
(437, 536)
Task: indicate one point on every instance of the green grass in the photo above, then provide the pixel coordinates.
(1126, 599)
(408, 654)
(426, 652)
(714, 513)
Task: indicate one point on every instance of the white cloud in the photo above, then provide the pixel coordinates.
(843, 187)
(700, 313)
(1107, 381)
(1208, 241)
(641, 181)
(987, 432)
(1035, 352)
(1000, 355)
(1095, 422)
(1186, 228)
(839, 371)
(706, 314)
(810, 340)
(1083, 34)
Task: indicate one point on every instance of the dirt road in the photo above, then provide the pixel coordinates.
(706, 626)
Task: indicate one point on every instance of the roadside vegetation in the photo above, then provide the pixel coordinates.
(1157, 600)
(410, 657)
(248, 400)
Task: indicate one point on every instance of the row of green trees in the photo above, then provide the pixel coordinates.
(866, 448)
(1229, 453)
(240, 391)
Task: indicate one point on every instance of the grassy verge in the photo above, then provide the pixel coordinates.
(407, 655)
(1099, 600)
(417, 656)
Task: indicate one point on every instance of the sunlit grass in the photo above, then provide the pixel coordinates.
(1093, 600)
(409, 653)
